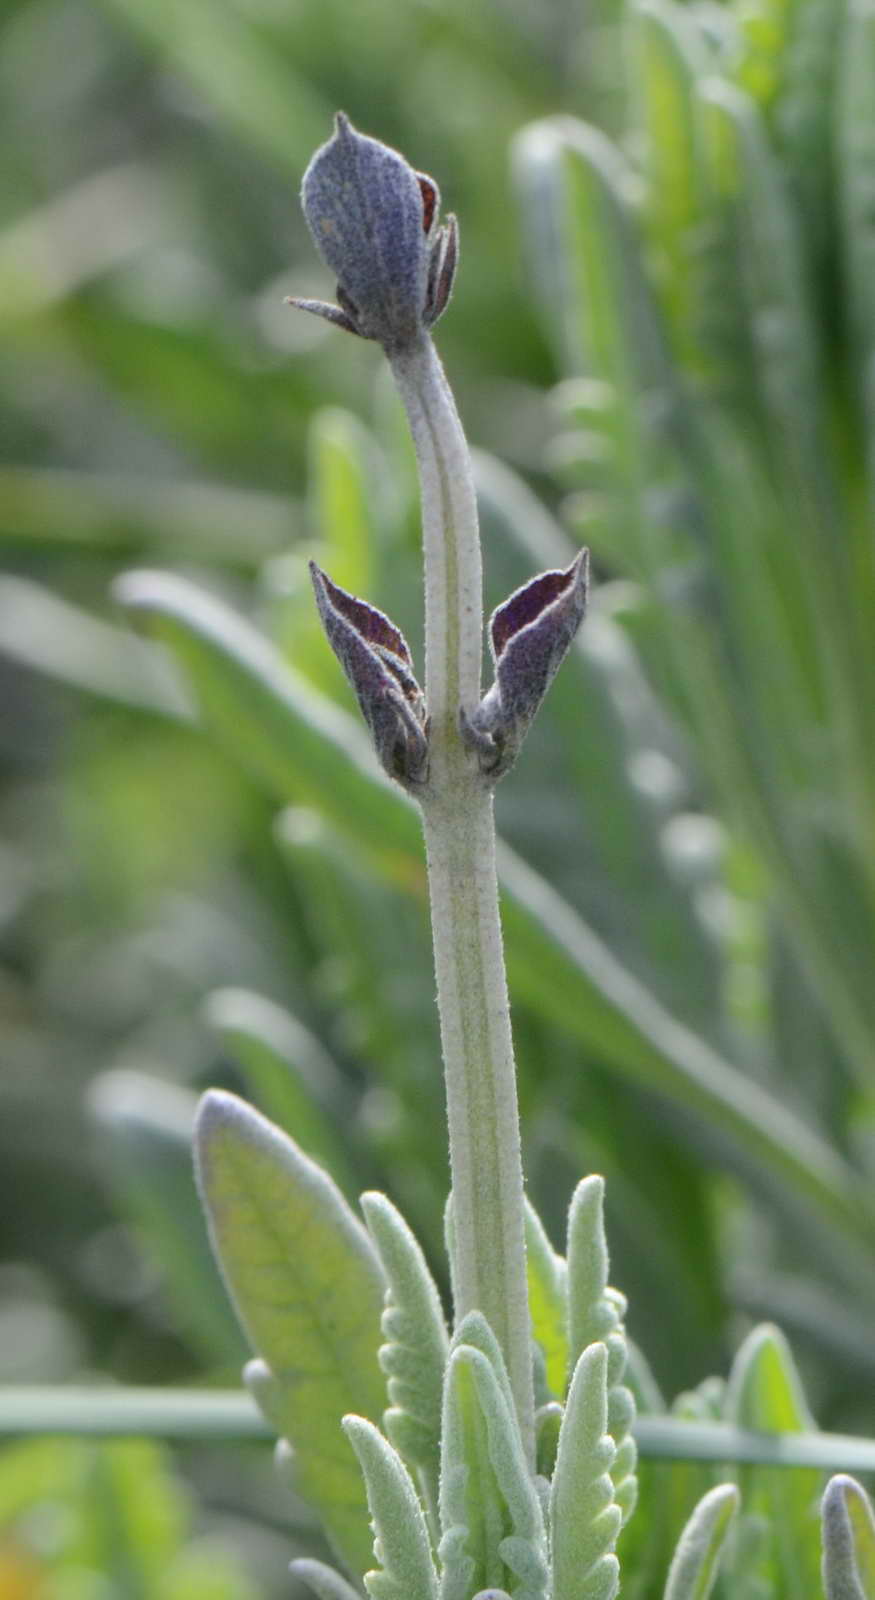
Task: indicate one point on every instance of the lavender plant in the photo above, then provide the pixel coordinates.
(506, 1463)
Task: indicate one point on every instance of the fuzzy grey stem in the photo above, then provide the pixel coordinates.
(489, 1266)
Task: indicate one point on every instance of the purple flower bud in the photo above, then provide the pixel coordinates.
(375, 657)
(374, 222)
(529, 637)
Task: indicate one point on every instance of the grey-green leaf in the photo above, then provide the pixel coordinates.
(308, 1290)
(401, 1542)
(595, 1312)
(415, 1352)
(584, 1521)
(697, 1557)
(493, 1529)
(547, 1301)
(848, 1541)
(589, 1317)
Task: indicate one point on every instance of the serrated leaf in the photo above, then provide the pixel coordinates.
(584, 1521)
(595, 1312)
(493, 1531)
(475, 1332)
(401, 1542)
(547, 1301)
(695, 1562)
(848, 1541)
(415, 1353)
(308, 1290)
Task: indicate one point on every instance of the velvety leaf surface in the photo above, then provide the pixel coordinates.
(308, 1290)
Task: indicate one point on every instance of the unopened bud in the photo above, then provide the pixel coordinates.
(374, 221)
(529, 637)
(376, 659)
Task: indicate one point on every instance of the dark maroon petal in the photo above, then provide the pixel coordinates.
(431, 200)
(526, 604)
(373, 625)
(442, 270)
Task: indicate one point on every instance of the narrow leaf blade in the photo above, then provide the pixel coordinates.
(694, 1566)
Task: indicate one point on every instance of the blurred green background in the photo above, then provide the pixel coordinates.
(663, 345)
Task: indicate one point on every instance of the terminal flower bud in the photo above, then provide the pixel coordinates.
(375, 657)
(374, 221)
(529, 638)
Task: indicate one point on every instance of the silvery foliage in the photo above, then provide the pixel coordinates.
(457, 1510)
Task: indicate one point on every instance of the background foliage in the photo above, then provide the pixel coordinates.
(662, 345)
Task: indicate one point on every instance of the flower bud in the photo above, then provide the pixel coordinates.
(374, 222)
(376, 659)
(529, 637)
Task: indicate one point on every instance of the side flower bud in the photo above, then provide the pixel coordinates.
(376, 659)
(374, 221)
(529, 638)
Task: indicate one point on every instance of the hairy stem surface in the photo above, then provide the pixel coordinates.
(489, 1271)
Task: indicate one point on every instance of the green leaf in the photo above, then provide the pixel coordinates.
(856, 171)
(238, 74)
(146, 1128)
(645, 1389)
(765, 1393)
(697, 1557)
(294, 740)
(547, 1301)
(548, 1421)
(788, 65)
(42, 508)
(340, 455)
(415, 1353)
(584, 1521)
(324, 1582)
(308, 1289)
(848, 1541)
(340, 487)
(401, 1542)
(288, 1073)
(44, 632)
(665, 58)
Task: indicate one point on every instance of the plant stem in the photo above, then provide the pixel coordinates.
(489, 1267)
